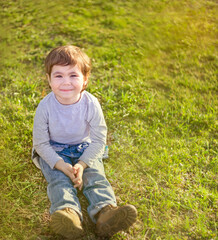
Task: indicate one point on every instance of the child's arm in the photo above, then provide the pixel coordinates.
(43, 147)
(41, 137)
(98, 134)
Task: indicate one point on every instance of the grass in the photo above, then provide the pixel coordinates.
(155, 74)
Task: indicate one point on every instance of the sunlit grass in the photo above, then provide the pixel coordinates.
(155, 74)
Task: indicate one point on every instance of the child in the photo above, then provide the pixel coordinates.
(69, 137)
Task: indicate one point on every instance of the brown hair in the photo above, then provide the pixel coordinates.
(68, 55)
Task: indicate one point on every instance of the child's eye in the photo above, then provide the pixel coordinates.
(73, 76)
(58, 76)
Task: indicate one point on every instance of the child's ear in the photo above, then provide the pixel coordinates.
(85, 79)
(85, 82)
(48, 78)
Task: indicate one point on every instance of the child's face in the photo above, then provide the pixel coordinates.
(67, 83)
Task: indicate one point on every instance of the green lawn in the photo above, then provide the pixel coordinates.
(155, 73)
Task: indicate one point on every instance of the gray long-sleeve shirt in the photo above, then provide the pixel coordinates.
(69, 124)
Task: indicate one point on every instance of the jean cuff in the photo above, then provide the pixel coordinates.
(97, 209)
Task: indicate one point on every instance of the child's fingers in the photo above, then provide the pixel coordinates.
(70, 175)
(70, 172)
(79, 186)
(74, 171)
(77, 180)
(78, 183)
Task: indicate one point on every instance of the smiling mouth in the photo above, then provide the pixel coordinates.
(66, 90)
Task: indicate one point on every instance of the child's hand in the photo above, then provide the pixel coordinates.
(66, 168)
(78, 172)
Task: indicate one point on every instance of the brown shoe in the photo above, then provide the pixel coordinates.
(111, 220)
(66, 222)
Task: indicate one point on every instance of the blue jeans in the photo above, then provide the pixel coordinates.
(61, 191)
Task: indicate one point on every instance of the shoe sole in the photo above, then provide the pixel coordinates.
(64, 225)
(121, 220)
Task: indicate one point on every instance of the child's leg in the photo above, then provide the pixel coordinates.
(103, 209)
(97, 189)
(60, 189)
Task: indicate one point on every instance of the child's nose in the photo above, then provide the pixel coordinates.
(67, 80)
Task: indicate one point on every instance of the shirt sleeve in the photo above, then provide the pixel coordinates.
(98, 134)
(41, 138)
